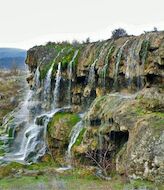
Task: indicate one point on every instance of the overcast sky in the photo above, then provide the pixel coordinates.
(25, 23)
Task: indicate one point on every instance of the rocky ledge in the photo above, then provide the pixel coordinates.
(118, 84)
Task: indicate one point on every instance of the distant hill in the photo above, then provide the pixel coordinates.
(12, 57)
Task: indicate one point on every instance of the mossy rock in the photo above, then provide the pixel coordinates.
(152, 104)
(60, 126)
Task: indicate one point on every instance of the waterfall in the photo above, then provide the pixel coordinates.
(21, 122)
(105, 67)
(47, 83)
(70, 74)
(104, 71)
(133, 69)
(118, 60)
(27, 138)
(57, 87)
(32, 140)
(37, 78)
(73, 137)
(91, 76)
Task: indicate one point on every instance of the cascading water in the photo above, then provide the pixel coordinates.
(104, 71)
(73, 137)
(29, 138)
(57, 87)
(106, 65)
(91, 76)
(133, 69)
(37, 78)
(21, 121)
(47, 83)
(118, 59)
(70, 74)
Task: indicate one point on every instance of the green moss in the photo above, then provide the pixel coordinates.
(2, 152)
(158, 123)
(26, 182)
(70, 118)
(42, 165)
(139, 111)
(67, 57)
(1, 142)
(7, 170)
(109, 55)
(72, 180)
(10, 132)
(144, 51)
(63, 120)
(160, 114)
(44, 70)
(135, 184)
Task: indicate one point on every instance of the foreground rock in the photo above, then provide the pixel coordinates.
(131, 129)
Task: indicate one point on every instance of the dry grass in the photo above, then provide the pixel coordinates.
(11, 89)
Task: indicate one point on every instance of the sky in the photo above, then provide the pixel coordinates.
(26, 23)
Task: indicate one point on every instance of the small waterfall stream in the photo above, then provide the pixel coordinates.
(57, 87)
(91, 76)
(70, 75)
(47, 83)
(118, 59)
(133, 69)
(105, 67)
(104, 71)
(37, 78)
(73, 137)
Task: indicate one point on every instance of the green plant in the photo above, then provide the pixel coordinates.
(144, 51)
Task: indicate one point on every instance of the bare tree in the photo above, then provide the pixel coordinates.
(102, 159)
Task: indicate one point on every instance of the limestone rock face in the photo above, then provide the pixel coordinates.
(118, 84)
(137, 130)
(126, 63)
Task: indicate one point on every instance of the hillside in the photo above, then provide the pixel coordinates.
(12, 57)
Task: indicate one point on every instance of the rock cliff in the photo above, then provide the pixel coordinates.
(118, 84)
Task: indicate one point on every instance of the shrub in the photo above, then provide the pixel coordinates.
(118, 33)
(75, 43)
